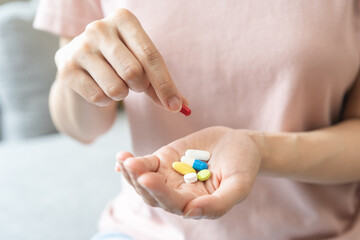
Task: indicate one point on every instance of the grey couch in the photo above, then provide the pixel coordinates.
(51, 187)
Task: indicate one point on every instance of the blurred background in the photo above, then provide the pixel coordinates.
(51, 187)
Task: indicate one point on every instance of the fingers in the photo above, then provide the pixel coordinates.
(144, 164)
(140, 190)
(142, 174)
(117, 167)
(231, 191)
(139, 43)
(131, 168)
(121, 157)
(105, 76)
(167, 198)
(125, 64)
(150, 91)
(117, 54)
(80, 82)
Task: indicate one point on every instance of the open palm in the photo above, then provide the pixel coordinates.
(234, 165)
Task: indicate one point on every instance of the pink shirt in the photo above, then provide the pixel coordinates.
(275, 66)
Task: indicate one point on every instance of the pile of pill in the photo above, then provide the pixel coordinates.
(193, 160)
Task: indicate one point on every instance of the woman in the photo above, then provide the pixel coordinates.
(275, 94)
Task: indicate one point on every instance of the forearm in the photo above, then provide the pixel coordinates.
(328, 156)
(74, 116)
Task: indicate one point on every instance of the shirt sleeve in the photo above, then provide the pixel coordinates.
(67, 17)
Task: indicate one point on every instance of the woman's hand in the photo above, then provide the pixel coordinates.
(234, 164)
(112, 56)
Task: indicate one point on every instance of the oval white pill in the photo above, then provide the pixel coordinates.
(190, 178)
(198, 154)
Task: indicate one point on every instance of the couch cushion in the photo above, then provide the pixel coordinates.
(27, 71)
(52, 187)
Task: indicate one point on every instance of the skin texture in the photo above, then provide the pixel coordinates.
(83, 97)
(99, 67)
(232, 173)
(324, 156)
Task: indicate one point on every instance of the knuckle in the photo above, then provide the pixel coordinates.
(150, 54)
(97, 98)
(62, 56)
(67, 71)
(132, 72)
(95, 31)
(114, 49)
(95, 27)
(67, 57)
(123, 15)
(69, 64)
(140, 86)
(83, 47)
(82, 51)
(58, 57)
(162, 86)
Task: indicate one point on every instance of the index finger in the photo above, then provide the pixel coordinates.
(139, 43)
(168, 198)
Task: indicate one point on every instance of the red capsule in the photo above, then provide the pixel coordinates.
(185, 110)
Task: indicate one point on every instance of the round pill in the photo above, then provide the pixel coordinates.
(182, 168)
(203, 175)
(190, 178)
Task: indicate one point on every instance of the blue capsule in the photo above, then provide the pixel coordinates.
(194, 163)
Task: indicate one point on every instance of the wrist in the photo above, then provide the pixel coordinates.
(278, 151)
(260, 140)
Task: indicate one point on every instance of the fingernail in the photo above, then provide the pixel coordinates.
(174, 104)
(194, 213)
(116, 93)
(117, 167)
(103, 103)
(142, 184)
(118, 156)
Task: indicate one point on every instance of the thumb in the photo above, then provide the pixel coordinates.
(231, 191)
